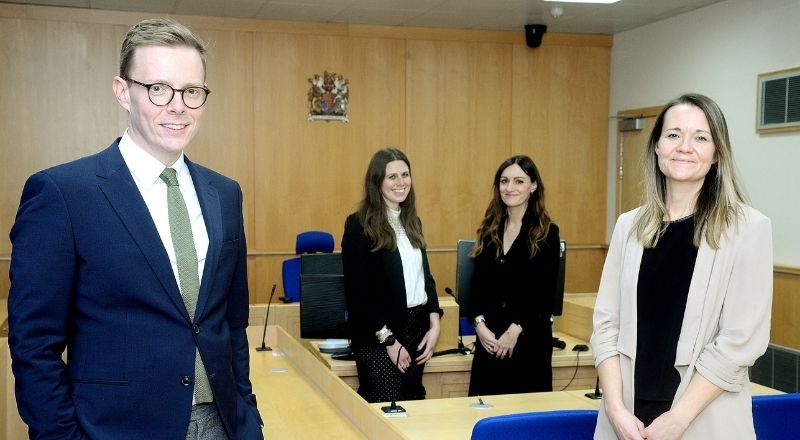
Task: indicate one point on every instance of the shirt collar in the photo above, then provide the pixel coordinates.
(145, 168)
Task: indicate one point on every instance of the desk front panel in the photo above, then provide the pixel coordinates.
(449, 375)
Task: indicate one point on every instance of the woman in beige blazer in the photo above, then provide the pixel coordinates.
(685, 297)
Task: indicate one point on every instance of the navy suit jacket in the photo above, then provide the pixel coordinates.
(90, 274)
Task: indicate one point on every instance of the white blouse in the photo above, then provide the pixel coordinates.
(411, 258)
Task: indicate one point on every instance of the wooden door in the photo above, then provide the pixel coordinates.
(630, 147)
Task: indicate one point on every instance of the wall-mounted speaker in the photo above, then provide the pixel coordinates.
(533, 34)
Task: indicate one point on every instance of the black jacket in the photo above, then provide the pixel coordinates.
(374, 285)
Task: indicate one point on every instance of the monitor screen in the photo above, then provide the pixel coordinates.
(464, 268)
(323, 307)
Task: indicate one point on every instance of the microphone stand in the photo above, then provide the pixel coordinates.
(597, 394)
(264, 346)
(394, 409)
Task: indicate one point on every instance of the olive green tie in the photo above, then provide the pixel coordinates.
(180, 229)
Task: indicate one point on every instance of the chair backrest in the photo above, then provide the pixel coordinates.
(308, 242)
(573, 424)
(777, 416)
(290, 274)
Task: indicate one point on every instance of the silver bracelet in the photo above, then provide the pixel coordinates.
(382, 334)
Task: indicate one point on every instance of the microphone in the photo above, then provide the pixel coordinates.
(264, 346)
(597, 394)
(461, 349)
(395, 410)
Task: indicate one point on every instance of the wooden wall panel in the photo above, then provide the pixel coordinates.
(459, 131)
(309, 174)
(584, 266)
(5, 283)
(225, 140)
(458, 102)
(786, 308)
(56, 102)
(560, 106)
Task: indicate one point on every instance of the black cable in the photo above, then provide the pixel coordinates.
(577, 356)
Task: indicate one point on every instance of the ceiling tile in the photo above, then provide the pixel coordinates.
(466, 14)
(299, 12)
(151, 6)
(217, 8)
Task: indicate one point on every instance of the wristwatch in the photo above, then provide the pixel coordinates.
(389, 341)
(479, 319)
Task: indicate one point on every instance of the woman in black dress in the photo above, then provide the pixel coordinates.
(516, 265)
(391, 296)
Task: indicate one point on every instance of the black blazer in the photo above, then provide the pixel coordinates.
(514, 288)
(374, 285)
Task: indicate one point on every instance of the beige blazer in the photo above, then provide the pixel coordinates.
(725, 325)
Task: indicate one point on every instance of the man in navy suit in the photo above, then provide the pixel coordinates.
(100, 268)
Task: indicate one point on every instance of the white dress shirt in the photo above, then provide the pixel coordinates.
(146, 171)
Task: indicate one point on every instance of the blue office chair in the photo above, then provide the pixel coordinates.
(777, 416)
(572, 424)
(308, 242)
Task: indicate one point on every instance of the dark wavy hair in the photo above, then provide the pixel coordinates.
(372, 209)
(497, 212)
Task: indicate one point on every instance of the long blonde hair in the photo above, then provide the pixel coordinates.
(719, 203)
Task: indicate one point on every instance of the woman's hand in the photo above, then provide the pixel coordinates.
(405, 359)
(507, 342)
(667, 426)
(486, 337)
(428, 343)
(625, 424)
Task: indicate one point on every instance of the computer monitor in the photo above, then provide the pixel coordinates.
(465, 264)
(323, 306)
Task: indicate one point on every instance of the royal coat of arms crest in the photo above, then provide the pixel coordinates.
(328, 98)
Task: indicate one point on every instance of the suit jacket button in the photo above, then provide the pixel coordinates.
(196, 328)
(186, 381)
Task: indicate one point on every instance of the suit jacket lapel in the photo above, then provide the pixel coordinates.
(119, 188)
(208, 197)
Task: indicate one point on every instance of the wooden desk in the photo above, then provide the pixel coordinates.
(307, 401)
(291, 405)
(755, 390)
(448, 375)
(287, 316)
(454, 418)
(576, 319)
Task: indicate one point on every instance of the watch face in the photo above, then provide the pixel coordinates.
(390, 340)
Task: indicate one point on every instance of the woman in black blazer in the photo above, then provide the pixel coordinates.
(393, 309)
(516, 268)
